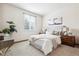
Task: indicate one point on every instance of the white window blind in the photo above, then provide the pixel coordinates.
(29, 22)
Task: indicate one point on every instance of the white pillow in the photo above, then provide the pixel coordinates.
(47, 32)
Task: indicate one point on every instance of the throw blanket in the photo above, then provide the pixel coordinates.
(45, 42)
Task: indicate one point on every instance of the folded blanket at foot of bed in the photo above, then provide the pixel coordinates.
(45, 42)
(45, 45)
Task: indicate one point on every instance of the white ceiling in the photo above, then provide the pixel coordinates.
(44, 8)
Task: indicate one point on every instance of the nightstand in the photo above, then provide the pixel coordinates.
(68, 40)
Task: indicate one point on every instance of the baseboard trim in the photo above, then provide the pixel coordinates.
(21, 41)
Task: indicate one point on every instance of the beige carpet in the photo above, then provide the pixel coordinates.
(24, 49)
(64, 50)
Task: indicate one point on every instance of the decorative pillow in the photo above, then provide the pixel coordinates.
(47, 32)
(56, 33)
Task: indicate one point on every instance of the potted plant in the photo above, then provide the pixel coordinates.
(11, 27)
(10, 30)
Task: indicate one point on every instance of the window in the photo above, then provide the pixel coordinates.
(29, 22)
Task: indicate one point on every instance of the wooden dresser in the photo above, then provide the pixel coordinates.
(68, 40)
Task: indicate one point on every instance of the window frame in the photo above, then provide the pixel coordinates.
(30, 17)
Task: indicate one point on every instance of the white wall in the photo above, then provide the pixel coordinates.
(0, 16)
(16, 15)
(70, 17)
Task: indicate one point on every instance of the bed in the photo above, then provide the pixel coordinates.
(45, 42)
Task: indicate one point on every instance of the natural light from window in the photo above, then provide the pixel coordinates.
(29, 22)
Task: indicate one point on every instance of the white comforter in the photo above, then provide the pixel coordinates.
(45, 42)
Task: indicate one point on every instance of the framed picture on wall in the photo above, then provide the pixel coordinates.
(57, 21)
(50, 21)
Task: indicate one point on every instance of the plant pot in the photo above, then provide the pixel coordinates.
(6, 36)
